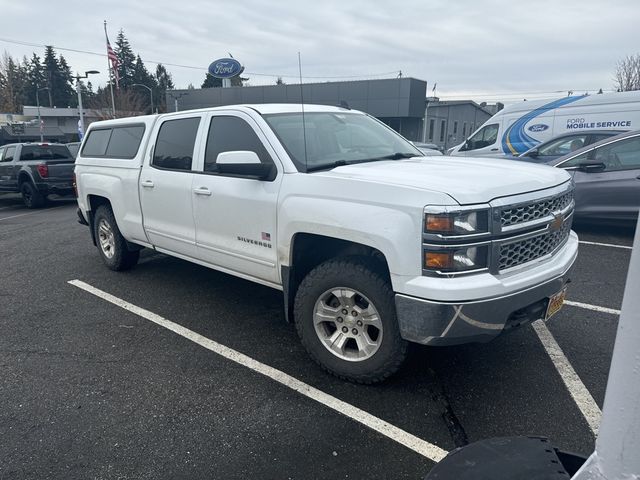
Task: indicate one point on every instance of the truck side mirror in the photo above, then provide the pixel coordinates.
(243, 163)
(244, 157)
(533, 153)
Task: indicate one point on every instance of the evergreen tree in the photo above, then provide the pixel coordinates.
(36, 78)
(126, 60)
(141, 76)
(66, 96)
(164, 82)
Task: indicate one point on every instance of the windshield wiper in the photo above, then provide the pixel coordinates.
(395, 156)
(341, 163)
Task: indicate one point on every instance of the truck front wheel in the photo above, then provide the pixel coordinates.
(346, 318)
(111, 244)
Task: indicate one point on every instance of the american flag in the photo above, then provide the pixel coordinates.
(113, 58)
(266, 236)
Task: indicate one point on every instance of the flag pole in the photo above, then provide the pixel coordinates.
(111, 76)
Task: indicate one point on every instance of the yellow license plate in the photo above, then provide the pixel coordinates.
(555, 303)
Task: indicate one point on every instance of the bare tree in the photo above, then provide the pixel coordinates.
(628, 74)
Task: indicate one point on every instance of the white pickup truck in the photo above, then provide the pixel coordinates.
(372, 244)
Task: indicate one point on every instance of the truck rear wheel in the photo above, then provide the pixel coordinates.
(346, 318)
(31, 197)
(111, 244)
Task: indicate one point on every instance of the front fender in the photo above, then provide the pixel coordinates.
(394, 231)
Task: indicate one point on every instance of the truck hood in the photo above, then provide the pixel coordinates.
(467, 180)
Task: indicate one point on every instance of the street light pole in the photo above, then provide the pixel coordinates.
(150, 92)
(79, 89)
(38, 104)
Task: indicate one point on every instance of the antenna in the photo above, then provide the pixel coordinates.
(304, 126)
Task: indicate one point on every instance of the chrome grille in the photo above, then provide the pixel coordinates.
(518, 253)
(532, 211)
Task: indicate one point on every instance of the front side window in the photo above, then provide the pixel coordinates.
(230, 134)
(621, 155)
(337, 138)
(484, 137)
(563, 146)
(9, 154)
(175, 144)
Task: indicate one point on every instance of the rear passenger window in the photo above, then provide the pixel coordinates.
(175, 144)
(116, 142)
(125, 141)
(96, 143)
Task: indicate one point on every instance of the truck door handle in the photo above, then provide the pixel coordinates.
(494, 149)
(147, 183)
(202, 191)
(638, 177)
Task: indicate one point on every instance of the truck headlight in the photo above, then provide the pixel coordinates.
(455, 259)
(457, 223)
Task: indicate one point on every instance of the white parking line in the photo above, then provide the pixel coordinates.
(612, 245)
(595, 308)
(31, 213)
(424, 448)
(585, 402)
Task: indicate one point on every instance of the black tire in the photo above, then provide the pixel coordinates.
(121, 257)
(352, 273)
(31, 197)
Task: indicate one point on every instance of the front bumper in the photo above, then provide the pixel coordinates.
(451, 323)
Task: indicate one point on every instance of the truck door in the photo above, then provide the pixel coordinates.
(165, 185)
(235, 213)
(6, 168)
(484, 143)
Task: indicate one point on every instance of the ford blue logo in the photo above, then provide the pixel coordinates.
(538, 127)
(225, 68)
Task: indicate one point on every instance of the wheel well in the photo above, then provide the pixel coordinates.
(23, 177)
(95, 201)
(310, 250)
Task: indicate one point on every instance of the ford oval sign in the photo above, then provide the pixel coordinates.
(225, 68)
(538, 127)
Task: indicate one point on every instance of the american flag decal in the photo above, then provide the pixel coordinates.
(266, 236)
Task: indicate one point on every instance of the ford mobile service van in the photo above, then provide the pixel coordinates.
(519, 127)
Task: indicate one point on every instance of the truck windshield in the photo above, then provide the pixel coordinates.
(336, 138)
(46, 152)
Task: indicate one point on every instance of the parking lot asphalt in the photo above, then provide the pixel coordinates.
(91, 390)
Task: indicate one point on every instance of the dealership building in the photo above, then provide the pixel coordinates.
(401, 103)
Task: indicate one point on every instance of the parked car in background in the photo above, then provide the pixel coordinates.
(428, 149)
(36, 170)
(564, 144)
(73, 148)
(607, 178)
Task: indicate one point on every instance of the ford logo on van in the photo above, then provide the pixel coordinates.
(538, 127)
(225, 68)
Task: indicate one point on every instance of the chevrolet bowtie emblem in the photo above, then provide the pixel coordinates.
(558, 221)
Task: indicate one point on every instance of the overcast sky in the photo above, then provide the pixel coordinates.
(486, 50)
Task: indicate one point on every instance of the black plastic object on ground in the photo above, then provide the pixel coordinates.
(508, 458)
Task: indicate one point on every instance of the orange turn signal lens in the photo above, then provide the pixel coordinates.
(438, 260)
(438, 223)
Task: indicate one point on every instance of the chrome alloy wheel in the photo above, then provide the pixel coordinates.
(106, 239)
(348, 324)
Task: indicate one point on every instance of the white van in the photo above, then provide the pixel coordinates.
(519, 127)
